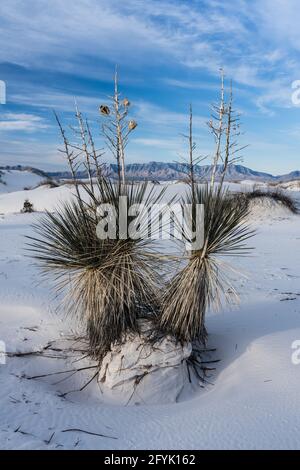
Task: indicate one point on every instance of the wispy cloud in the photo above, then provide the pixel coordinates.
(249, 39)
(59, 101)
(162, 118)
(22, 122)
(202, 34)
(169, 53)
(33, 152)
(192, 85)
(157, 143)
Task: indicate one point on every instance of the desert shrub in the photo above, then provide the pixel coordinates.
(112, 282)
(203, 281)
(27, 207)
(48, 182)
(72, 182)
(109, 283)
(275, 195)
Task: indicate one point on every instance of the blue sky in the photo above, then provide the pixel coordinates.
(169, 54)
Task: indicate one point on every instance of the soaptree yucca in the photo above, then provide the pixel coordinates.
(203, 280)
(109, 283)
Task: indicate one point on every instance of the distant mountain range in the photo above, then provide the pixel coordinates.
(161, 171)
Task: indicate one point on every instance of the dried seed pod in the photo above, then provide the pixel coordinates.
(126, 102)
(132, 125)
(104, 110)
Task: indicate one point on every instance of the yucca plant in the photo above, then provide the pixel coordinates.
(109, 283)
(203, 281)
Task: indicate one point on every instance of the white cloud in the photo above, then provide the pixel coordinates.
(278, 95)
(161, 118)
(59, 101)
(191, 84)
(22, 122)
(256, 42)
(30, 152)
(281, 22)
(251, 40)
(163, 144)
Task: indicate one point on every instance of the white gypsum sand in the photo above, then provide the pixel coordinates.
(254, 399)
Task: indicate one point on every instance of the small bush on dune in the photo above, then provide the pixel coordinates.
(48, 182)
(27, 207)
(275, 195)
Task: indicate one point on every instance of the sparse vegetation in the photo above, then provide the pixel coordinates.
(111, 282)
(276, 195)
(202, 282)
(27, 207)
(48, 182)
(1, 178)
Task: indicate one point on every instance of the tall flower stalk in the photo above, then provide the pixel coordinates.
(116, 127)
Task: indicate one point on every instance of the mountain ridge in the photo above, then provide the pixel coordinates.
(165, 171)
